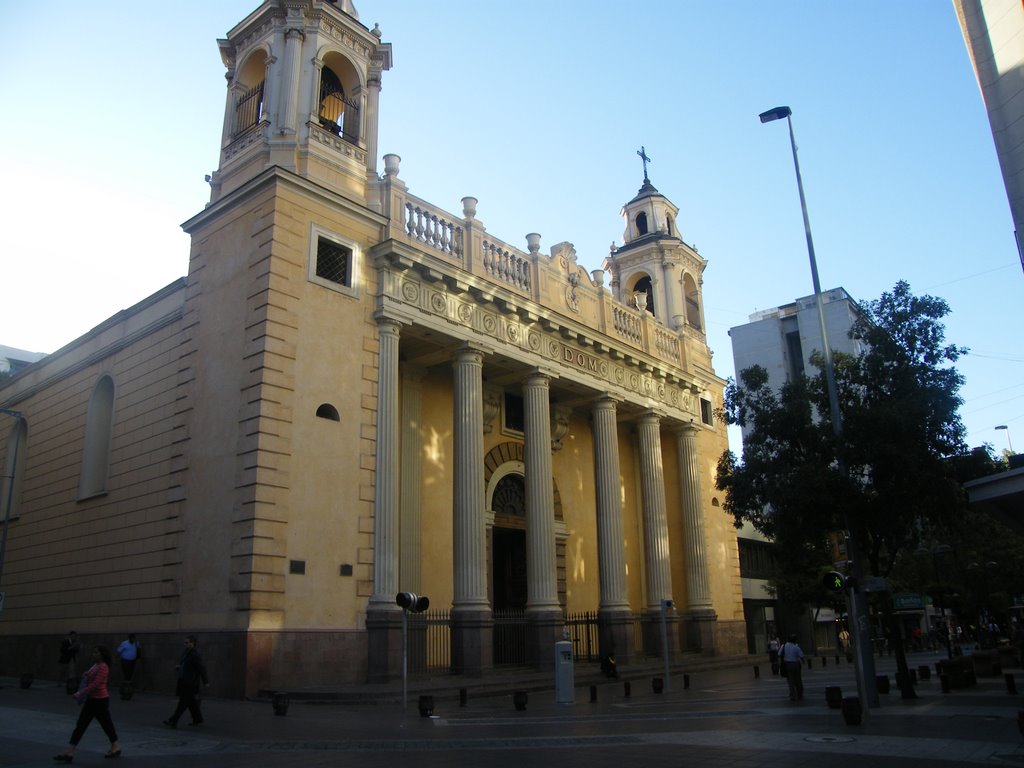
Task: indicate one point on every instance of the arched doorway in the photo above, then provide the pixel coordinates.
(504, 476)
(508, 543)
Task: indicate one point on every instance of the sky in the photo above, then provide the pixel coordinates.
(113, 114)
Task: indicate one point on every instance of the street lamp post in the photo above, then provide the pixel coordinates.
(856, 605)
(1007, 429)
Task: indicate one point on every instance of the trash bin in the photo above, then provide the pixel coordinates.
(564, 674)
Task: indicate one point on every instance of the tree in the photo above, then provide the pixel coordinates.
(887, 477)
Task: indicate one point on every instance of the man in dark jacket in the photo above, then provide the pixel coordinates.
(191, 673)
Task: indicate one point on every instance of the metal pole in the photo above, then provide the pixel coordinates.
(664, 639)
(10, 486)
(856, 606)
(405, 659)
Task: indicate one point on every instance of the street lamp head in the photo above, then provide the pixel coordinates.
(775, 114)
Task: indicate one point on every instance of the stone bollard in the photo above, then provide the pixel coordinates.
(1011, 684)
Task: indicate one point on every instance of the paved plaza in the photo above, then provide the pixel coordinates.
(725, 717)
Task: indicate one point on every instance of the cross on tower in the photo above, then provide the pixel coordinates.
(646, 159)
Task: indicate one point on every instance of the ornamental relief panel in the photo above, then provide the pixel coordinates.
(509, 330)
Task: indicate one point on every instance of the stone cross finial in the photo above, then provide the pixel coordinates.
(646, 159)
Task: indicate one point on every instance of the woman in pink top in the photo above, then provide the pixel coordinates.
(95, 700)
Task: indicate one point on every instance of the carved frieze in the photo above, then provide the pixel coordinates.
(605, 369)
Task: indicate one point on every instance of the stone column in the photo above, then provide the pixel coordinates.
(383, 617)
(370, 124)
(613, 615)
(656, 552)
(544, 614)
(699, 617)
(292, 70)
(472, 623)
(412, 446)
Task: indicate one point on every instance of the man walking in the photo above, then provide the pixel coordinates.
(191, 672)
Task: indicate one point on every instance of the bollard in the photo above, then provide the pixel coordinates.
(657, 684)
(426, 705)
(593, 693)
(809, 662)
(833, 696)
(1011, 684)
(852, 712)
(924, 672)
(837, 659)
(280, 704)
(519, 699)
(463, 697)
(882, 683)
(25, 681)
(757, 672)
(626, 690)
(944, 680)
(824, 661)
(686, 682)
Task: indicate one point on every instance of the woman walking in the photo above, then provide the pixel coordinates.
(95, 700)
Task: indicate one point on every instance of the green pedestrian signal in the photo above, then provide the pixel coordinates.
(834, 581)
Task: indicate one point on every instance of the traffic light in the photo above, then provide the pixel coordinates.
(834, 581)
(412, 602)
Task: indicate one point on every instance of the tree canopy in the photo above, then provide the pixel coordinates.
(886, 478)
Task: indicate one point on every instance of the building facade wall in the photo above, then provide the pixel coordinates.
(242, 510)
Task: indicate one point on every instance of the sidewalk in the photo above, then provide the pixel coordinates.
(725, 717)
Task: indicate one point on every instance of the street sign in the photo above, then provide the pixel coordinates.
(875, 584)
(907, 602)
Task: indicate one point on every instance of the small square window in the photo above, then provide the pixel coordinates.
(297, 566)
(706, 414)
(515, 417)
(333, 262)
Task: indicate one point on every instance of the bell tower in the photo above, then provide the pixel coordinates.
(654, 269)
(303, 88)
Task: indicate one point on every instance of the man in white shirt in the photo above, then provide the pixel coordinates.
(792, 657)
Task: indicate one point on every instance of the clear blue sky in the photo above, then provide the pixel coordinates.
(113, 114)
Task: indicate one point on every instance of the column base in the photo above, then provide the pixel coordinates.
(615, 634)
(543, 630)
(384, 644)
(472, 641)
(699, 625)
(651, 623)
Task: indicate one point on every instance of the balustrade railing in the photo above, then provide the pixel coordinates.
(506, 266)
(465, 242)
(432, 228)
(627, 324)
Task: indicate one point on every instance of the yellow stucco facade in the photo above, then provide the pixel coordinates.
(356, 392)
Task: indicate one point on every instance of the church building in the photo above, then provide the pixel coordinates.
(355, 392)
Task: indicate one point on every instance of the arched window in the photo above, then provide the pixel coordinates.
(249, 93)
(339, 101)
(332, 101)
(646, 287)
(329, 412)
(14, 469)
(671, 225)
(641, 223)
(99, 423)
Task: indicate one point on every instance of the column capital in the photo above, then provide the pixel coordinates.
(540, 372)
(685, 428)
(383, 317)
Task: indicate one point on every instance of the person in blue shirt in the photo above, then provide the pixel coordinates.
(792, 656)
(128, 652)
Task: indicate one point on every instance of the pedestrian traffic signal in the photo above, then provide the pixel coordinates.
(834, 581)
(412, 602)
